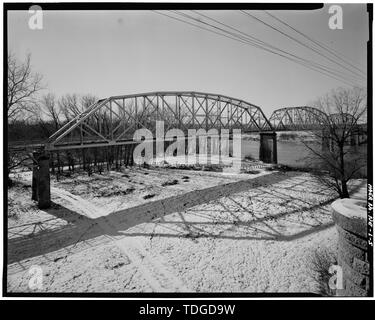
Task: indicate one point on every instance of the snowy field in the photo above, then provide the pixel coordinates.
(160, 230)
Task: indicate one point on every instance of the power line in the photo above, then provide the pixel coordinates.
(309, 64)
(304, 62)
(262, 43)
(300, 42)
(318, 43)
(192, 24)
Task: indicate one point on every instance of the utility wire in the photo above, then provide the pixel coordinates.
(339, 73)
(309, 64)
(317, 65)
(247, 42)
(318, 43)
(301, 43)
(192, 24)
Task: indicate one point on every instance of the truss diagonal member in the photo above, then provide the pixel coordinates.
(151, 102)
(239, 117)
(83, 116)
(213, 102)
(74, 119)
(292, 124)
(122, 119)
(200, 103)
(190, 110)
(96, 132)
(282, 122)
(93, 130)
(221, 112)
(252, 118)
(135, 119)
(114, 112)
(209, 113)
(178, 118)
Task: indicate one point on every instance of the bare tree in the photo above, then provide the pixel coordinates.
(52, 110)
(68, 105)
(72, 105)
(87, 100)
(48, 114)
(339, 160)
(23, 85)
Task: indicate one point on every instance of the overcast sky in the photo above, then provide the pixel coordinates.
(108, 53)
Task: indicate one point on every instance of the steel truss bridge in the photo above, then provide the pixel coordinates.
(113, 121)
(308, 118)
(298, 118)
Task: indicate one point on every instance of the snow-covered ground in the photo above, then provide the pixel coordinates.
(157, 230)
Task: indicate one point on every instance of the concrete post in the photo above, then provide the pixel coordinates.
(44, 185)
(350, 216)
(34, 182)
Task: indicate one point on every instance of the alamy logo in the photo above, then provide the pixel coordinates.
(336, 281)
(213, 148)
(36, 18)
(335, 20)
(36, 279)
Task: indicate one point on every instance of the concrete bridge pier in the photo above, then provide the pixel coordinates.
(355, 139)
(327, 144)
(268, 147)
(41, 185)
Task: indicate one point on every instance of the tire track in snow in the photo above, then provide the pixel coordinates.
(154, 271)
(85, 207)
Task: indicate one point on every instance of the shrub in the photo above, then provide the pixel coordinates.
(320, 260)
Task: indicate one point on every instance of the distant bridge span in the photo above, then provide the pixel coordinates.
(298, 119)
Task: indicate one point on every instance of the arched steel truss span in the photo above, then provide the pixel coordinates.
(113, 121)
(298, 118)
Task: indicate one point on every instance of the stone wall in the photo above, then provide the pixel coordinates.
(350, 216)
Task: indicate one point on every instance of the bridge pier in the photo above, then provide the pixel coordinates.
(41, 185)
(268, 147)
(34, 182)
(327, 144)
(354, 138)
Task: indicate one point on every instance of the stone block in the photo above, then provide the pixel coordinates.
(351, 250)
(361, 266)
(354, 276)
(352, 238)
(351, 289)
